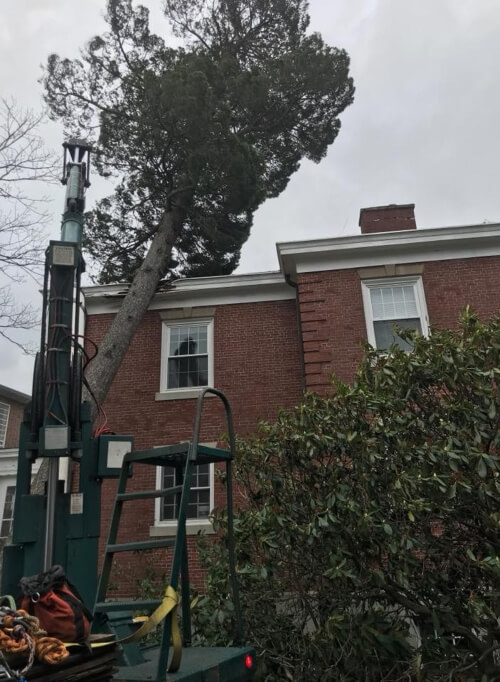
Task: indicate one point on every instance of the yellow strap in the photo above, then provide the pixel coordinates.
(169, 604)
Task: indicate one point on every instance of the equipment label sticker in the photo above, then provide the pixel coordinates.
(76, 505)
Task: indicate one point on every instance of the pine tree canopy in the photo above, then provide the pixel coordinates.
(204, 128)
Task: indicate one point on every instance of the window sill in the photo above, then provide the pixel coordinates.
(201, 527)
(182, 394)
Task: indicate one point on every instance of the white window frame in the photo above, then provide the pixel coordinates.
(418, 288)
(3, 436)
(8, 483)
(193, 526)
(190, 391)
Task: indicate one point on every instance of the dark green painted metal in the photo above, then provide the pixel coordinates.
(142, 495)
(24, 528)
(139, 546)
(13, 557)
(228, 664)
(59, 344)
(128, 606)
(185, 598)
(26, 507)
(239, 638)
(70, 539)
(180, 541)
(199, 664)
(122, 626)
(83, 530)
(112, 534)
(76, 536)
(175, 455)
(104, 471)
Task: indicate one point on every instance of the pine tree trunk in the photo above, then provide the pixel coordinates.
(112, 349)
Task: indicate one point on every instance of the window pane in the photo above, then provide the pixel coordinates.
(202, 340)
(8, 511)
(168, 477)
(388, 308)
(193, 334)
(4, 417)
(183, 344)
(398, 301)
(199, 499)
(202, 369)
(188, 356)
(393, 303)
(202, 479)
(385, 334)
(199, 504)
(188, 340)
(376, 298)
(187, 371)
(410, 303)
(168, 512)
(174, 340)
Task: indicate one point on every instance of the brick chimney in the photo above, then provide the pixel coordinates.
(389, 218)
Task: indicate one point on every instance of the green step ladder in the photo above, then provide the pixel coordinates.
(116, 615)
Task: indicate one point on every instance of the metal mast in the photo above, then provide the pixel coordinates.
(59, 412)
(60, 523)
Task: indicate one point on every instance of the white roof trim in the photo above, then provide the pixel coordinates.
(197, 292)
(337, 253)
(406, 246)
(14, 396)
(8, 462)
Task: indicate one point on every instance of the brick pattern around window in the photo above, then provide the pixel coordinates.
(265, 354)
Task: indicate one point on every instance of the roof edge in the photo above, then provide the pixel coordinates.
(446, 243)
(12, 394)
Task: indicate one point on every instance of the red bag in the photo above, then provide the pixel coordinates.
(52, 598)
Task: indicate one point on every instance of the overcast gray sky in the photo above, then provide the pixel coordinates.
(422, 129)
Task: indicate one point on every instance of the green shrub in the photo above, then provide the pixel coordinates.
(368, 544)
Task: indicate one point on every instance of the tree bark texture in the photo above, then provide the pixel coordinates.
(103, 368)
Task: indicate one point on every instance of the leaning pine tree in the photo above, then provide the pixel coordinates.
(197, 136)
(368, 544)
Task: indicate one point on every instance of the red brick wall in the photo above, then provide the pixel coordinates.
(257, 365)
(333, 321)
(333, 325)
(451, 285)
(387, 218)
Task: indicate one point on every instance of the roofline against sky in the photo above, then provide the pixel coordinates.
(11, 394)
(353, 251)
(378, 248)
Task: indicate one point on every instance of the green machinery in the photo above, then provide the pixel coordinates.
(61, 523)
(56, 525)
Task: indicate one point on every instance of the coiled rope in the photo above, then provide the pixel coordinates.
(21, 634)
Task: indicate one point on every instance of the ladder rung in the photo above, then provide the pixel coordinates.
(137, 605)
(133, 546)
(176, 455)
(143, 494)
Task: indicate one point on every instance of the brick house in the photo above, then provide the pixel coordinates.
(265, 338)
(12, 404)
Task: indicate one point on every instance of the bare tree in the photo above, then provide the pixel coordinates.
(24, 162)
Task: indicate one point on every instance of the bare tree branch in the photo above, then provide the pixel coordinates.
(25, 162)
(14, 316)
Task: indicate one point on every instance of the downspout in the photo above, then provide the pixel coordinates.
(289, 281)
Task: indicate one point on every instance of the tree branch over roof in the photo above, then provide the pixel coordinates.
(200, 134)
